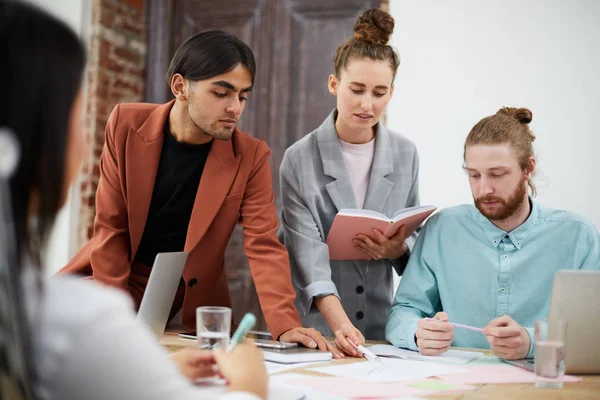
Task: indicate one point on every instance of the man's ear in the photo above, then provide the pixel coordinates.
(179, 87)
(531, 165)
(333, 84)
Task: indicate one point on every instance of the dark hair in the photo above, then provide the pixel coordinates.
(372, 32)
(40, 74)
(509, 125)
(209, 54)
(41, 67)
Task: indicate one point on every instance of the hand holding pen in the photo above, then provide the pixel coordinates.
(347, 337)
(242, 363)
(434, 336)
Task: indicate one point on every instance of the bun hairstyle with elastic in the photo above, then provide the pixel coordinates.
(374, 27)
(372, 32)
(510, 125)
(521, 115)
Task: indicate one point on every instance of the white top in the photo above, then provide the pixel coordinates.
(88, 345)
(359, 158)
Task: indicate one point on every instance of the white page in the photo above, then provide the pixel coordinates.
(451, 356)
(365, 213)
(282, 384)
(410, 211)
(275, 368)
(389, 370)
(277, 390)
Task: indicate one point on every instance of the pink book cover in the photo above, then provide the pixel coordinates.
(348, 223)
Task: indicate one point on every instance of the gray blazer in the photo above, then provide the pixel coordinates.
(314, 186)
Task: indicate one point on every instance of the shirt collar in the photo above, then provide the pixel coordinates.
(517, 236)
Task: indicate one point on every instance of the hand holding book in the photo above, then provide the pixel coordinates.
(380, 247)
(350, 224)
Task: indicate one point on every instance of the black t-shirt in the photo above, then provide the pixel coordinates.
(177, 179)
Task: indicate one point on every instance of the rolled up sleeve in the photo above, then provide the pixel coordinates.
(309, 254)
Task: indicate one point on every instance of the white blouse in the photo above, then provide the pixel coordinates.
(88, 345)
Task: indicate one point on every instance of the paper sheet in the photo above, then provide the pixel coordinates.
(275, 368)
(389, 370)
(477, 374)
(352, 388)
(451, 356)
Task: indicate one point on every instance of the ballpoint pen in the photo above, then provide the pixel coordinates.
(368, 354)
(454, 324)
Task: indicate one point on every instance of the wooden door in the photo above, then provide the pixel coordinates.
(294, 42)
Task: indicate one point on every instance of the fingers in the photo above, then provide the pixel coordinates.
(305, 340)
(342, 344)
(442, 316)
(335, 351)
(197, 357)
(512, 342)
(501, 321)
(370, 253)
(400, 235)
(346, 341)
(321, 342)
(379, 237)
(434, 337)
(433, 325)
(503, 331)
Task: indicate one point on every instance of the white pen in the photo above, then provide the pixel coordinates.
(369, 355)
(454, 324)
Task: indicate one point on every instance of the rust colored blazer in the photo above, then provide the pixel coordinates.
(235, 187)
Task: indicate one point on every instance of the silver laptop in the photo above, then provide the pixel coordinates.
(161, 289)
(576, 299)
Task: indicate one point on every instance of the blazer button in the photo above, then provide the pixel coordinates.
(360, 315)
(192, 282)
(360, 289)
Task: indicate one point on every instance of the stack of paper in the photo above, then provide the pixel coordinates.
(451, 356)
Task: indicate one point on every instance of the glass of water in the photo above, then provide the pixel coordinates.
(213, 325)
(550, 340)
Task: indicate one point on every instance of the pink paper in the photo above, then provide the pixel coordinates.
(356, 389)
(477, 374)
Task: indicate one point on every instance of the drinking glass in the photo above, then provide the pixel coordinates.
(550, 340)
(213, 325)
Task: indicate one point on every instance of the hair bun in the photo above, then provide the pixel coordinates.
(374, 26)
(523, 115)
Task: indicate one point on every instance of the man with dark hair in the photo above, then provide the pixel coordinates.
(178, 177)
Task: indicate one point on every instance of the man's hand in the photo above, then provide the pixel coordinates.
(311, 338)
(380, 247)
(434, 337)
(347, 337)
(194, 363)
(508, 339)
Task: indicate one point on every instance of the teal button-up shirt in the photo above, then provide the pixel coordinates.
(474, 271)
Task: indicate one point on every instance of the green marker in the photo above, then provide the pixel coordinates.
(246, 324)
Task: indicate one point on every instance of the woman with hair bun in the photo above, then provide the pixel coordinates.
(350, 161)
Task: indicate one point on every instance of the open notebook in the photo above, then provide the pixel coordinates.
(349, 222)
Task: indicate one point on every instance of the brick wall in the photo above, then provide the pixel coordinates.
(116, 74)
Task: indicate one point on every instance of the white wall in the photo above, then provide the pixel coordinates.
(462, 60)
(63, 240)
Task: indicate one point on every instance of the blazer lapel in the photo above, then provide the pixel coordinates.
(340, 189)
(217, 177)
(142, 155)
(379, 187)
